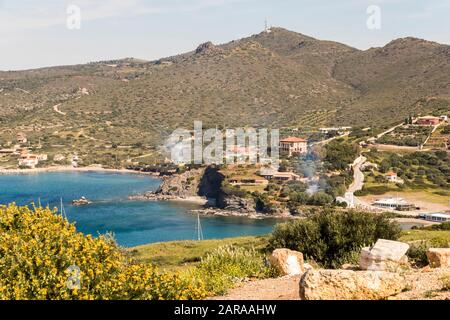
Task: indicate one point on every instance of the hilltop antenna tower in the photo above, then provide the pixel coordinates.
(266, 26)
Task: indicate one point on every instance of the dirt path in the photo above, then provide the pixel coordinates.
(358, 176)
(421, 284)
(285, 288)
(324, 142)
(56, 109)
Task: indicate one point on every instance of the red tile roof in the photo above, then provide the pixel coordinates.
(293, 140)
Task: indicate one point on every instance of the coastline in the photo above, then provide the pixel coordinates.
(93, 168)
(249, 215)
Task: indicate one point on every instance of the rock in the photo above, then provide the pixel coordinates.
(205, 47)
(287, 262)
(307, 267)
(181, 185)
(385, 255)
(348, 266)
(349, 285)
(237, 204)
(439, 257)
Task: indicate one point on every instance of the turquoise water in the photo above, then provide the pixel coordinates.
(132, 222)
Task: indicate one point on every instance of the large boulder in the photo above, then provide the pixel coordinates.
(287, 262)
(439, 257)
(349, 285)
(385, 255)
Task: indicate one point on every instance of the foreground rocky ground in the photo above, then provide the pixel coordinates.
(383, 273)
(422, 284)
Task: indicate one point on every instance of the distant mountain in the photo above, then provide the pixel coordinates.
(278, 78)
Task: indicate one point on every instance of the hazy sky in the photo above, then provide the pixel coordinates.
(35, 33)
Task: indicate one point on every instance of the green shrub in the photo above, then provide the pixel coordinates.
(230, 190)
(361, 193)
(330, 237)
(417, 254)
(442, 226)
(446, 282)
(320, 199)
(377, 190)
(225, 266)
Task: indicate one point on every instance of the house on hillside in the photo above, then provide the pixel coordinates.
(29, 161)
(278, 176)
(21, 138)
(392, 177)
(285, 176)
(293, 145)
(249, 181)
(428, 121)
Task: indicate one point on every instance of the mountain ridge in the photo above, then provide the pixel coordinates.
(279, 78)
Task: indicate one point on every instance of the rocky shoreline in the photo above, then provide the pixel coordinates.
(208, 209)
(228, 213)
(155, 196)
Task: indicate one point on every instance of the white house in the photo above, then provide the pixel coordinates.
(391, 177)
(30, 161)
(293, 145)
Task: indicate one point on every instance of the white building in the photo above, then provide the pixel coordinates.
(29, 161)
(436, 217)
(398, 204)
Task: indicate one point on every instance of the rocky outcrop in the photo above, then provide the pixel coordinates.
(211, 183)
(439, 257)
(287, 262)
(385, 255)
(349, 285)
(206, 48)
(181, 185)
(237, 204)
(174, 187)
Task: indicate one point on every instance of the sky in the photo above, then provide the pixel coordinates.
(60, 32)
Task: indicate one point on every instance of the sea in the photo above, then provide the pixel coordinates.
(132, 223)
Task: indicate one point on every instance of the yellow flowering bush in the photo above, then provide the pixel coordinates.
(42, 256)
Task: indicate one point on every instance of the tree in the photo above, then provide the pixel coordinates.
(332, 237)
(320, 199)
(340, 154)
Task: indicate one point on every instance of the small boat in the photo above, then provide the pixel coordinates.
(81, 202)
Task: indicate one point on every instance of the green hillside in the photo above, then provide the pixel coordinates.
(277, 79)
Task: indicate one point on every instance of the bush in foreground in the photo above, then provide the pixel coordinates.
(227, 265)
(332, 238)
(42, 256)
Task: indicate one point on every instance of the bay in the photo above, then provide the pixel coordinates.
(131, 222)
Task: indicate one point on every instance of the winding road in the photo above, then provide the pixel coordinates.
(358, 176)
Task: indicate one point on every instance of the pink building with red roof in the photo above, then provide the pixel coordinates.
(294, 145)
